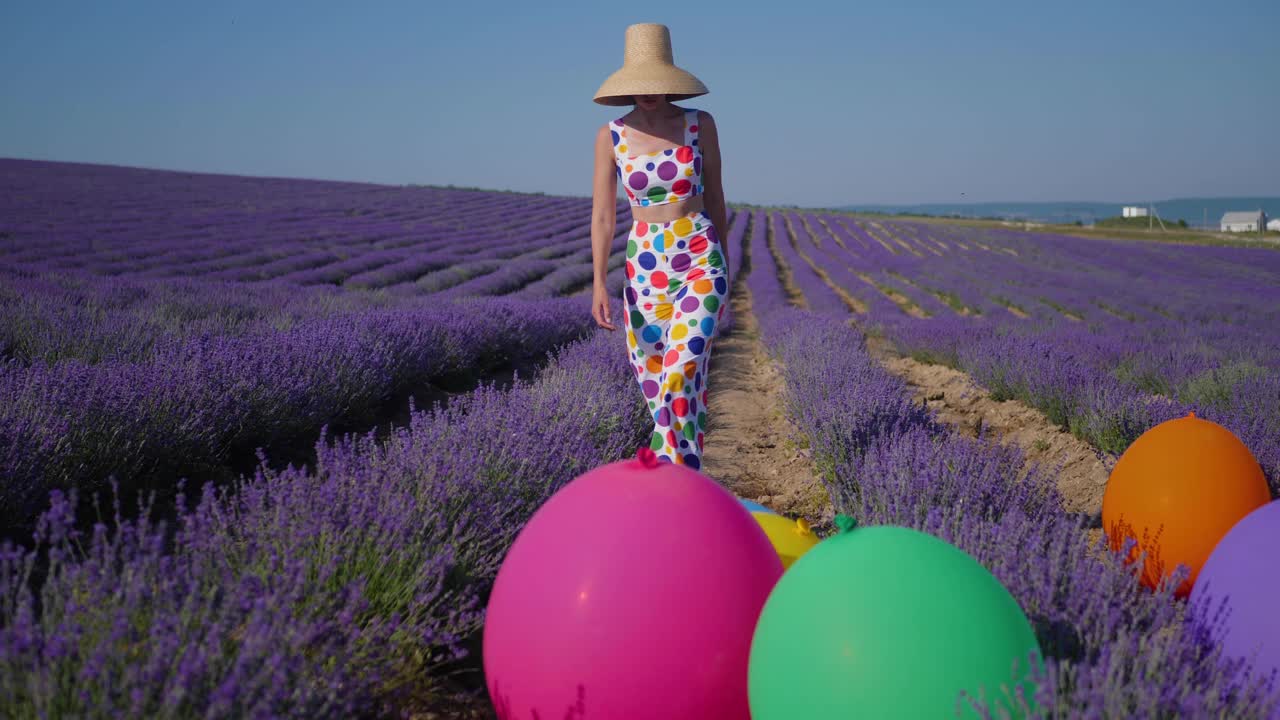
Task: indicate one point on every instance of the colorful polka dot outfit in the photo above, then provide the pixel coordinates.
(674, 299)
(675, 295)
(662, 176)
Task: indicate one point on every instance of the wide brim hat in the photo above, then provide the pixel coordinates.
(648, 69)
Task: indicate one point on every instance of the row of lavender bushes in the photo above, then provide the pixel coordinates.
(342, 591)
(1112, 649)
(195, 404)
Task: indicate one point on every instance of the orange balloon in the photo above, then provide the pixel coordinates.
(1177, 490)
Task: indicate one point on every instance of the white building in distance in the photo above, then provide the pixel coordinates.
(1274, 225)
(1133, 211)
(1248, 221)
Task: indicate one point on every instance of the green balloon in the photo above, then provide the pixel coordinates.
(887, 622)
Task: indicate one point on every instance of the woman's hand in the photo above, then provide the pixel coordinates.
(600, 307)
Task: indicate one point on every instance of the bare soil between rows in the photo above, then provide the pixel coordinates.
(749, 446)
(957, 400)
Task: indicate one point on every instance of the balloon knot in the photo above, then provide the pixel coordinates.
(802, 527)
(1191, 414)
(647, 457)
(845, 523)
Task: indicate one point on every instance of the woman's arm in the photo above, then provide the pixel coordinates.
(712, 188)
(604, 202)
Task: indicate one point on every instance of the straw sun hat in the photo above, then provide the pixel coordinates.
(648, 69)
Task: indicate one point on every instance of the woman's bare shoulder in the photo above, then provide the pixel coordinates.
(610, 126)
(604, 144)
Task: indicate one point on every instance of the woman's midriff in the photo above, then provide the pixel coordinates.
(668, 212)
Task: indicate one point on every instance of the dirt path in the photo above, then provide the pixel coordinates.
(958, 401)
(747, 446)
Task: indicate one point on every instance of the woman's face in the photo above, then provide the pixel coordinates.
(649, 102)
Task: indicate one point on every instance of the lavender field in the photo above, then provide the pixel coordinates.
(258, 359)
(1108, 338)
(1112, 649)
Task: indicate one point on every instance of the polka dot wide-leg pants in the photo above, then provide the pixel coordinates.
(676, 293)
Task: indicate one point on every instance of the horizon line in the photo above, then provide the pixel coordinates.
(847, 205)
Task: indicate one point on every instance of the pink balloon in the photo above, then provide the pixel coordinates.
(632, 593)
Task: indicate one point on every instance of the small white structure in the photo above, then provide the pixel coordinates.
(1249, 221)
(1274, 225)
(1134, 211)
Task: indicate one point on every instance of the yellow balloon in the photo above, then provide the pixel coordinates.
(790, 538)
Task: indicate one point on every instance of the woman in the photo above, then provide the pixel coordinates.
(668, 158)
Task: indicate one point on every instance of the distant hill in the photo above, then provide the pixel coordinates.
(1193, 210)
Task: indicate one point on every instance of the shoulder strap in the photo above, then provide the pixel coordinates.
(620, 140)
(691, 126)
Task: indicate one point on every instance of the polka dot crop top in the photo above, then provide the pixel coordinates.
(662, 176)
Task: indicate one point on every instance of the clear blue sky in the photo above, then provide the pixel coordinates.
(818, 103)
